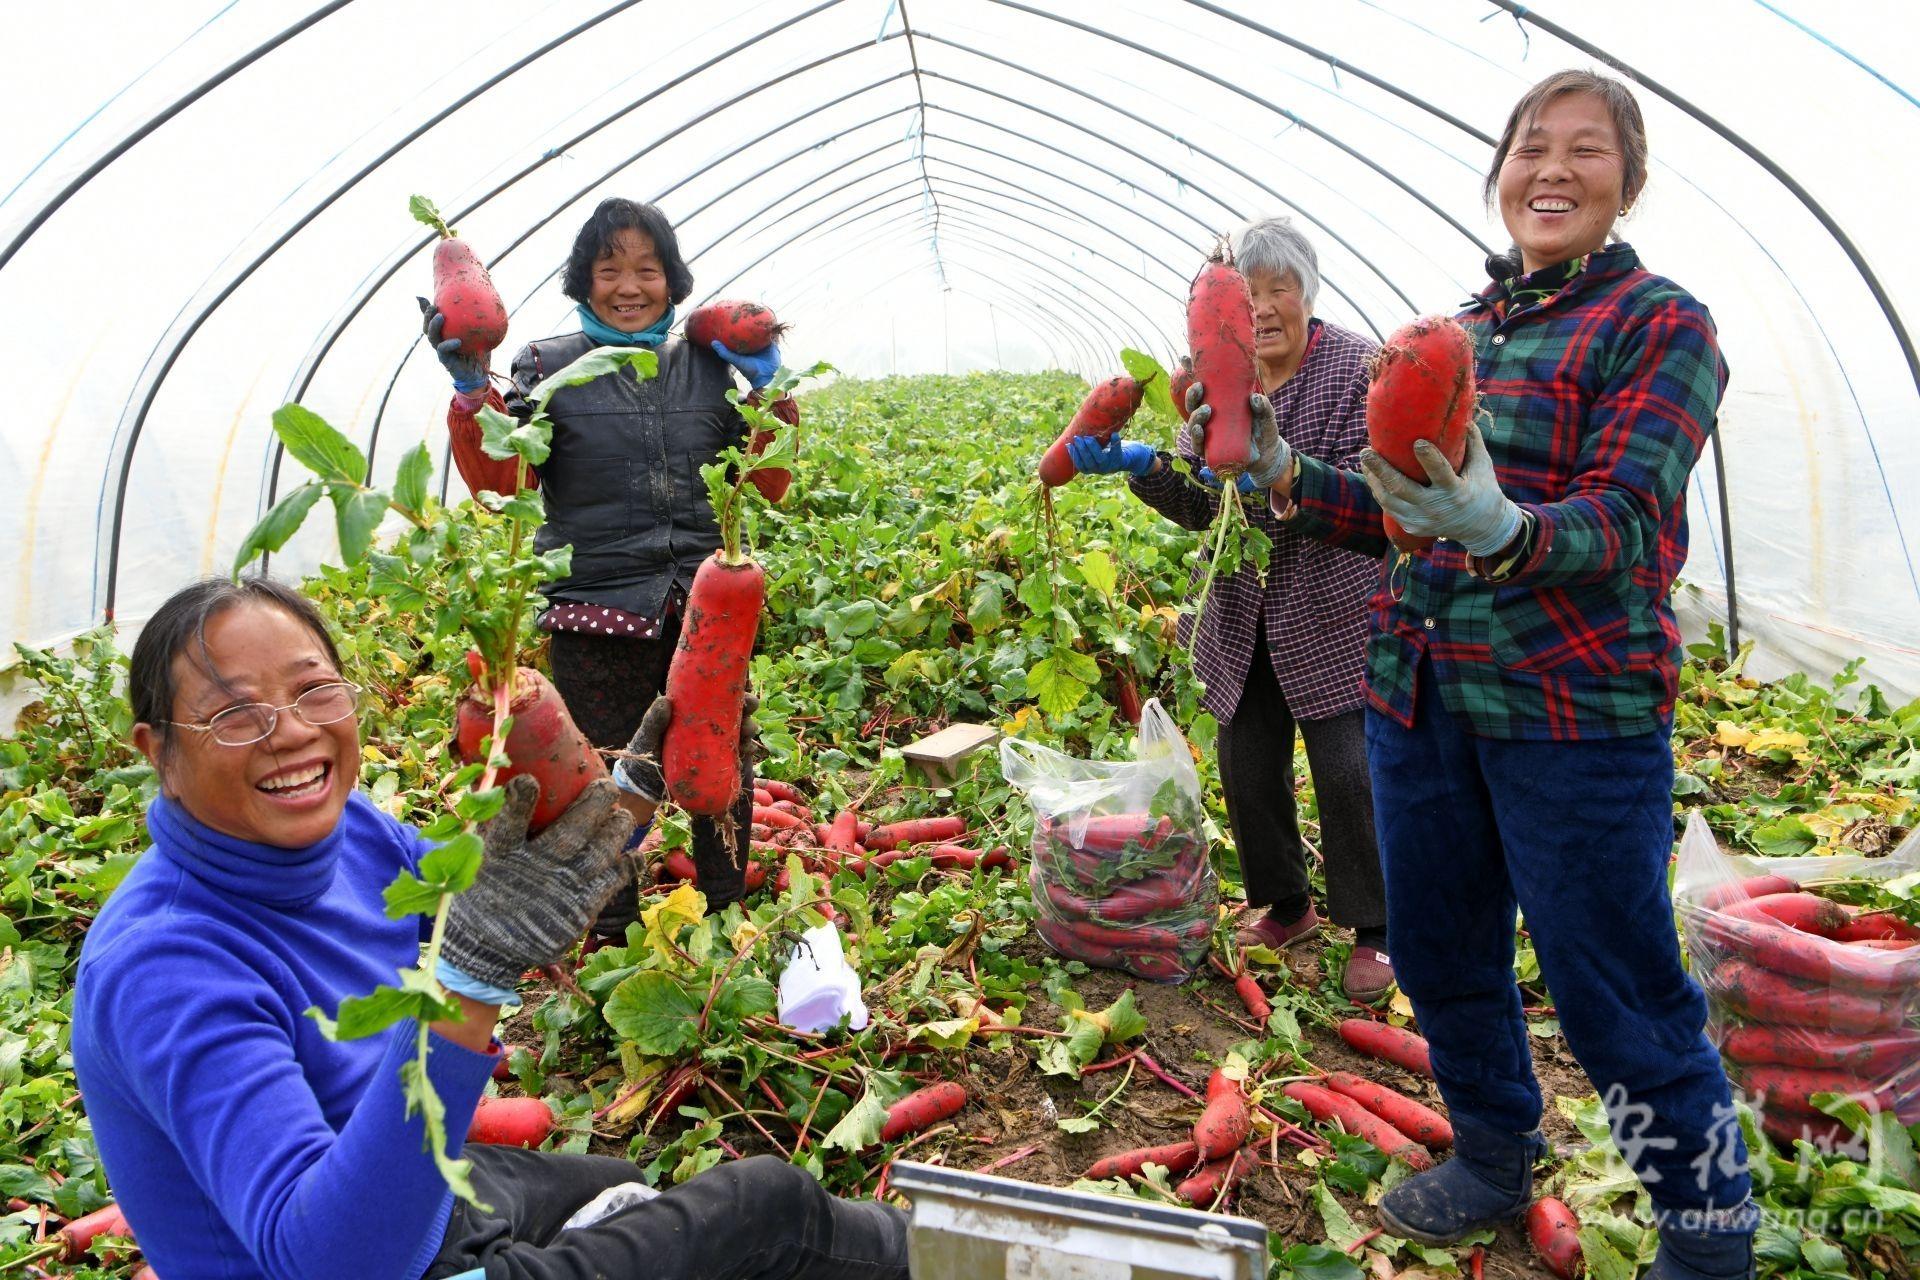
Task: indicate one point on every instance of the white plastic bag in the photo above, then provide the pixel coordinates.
(818, 987)
(1120, 873)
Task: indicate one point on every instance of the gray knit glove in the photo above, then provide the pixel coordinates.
(533, 897)
(638, 772)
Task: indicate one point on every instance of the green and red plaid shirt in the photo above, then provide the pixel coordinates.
(1598, 397)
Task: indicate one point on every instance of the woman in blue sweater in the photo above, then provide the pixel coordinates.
(242, 1142)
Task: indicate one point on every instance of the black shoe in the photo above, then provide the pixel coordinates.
(1488, 1181)
(1707, 1244)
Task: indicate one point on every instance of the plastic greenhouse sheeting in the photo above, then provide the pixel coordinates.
(203, 214)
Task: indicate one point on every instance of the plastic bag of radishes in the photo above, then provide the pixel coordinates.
(1812, 971)
(1120, 874)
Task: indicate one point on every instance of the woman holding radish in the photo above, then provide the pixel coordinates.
(1288, 652)
(240, 1138)
(623, 485)
(1521, 679)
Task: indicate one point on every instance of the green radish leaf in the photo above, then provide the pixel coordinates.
(1603, 1260)
(860, 1127)
(424, 1099)
(597, 363)
(1123, 1019)
(743, 998)
(279, 524)
(526, 505)
(409, 895)
(392, 578)
(1143, 368)
(1318, 1262)
(417, 998)
(424, 210)
(357, 513)
(317, 446)
(410, 482)
(1096, 567)
(656, 1011)
(503, 438)
(1057, 692)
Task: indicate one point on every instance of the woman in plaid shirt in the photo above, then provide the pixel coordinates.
(1521, 677)
(1287, 651)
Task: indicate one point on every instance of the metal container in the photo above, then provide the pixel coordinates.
(973, 1226)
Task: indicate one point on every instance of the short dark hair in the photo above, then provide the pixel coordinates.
(180, 626)
(1620, 104)
(595, 241)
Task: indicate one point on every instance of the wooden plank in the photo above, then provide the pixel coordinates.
(939, 754)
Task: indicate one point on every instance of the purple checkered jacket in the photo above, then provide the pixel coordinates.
(1315, 599)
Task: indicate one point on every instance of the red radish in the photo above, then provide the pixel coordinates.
(707, 684)
(1823, 1131)
(1794, 1087)
(78, 1237)
(1155, 966)
(1884, 944)
(1247, 987)
(1751, 887)
(772, 482)
(1807, 912)
(1415, 1119)
(543, 742)
(677, 867)
(1217, 1177)
(1767, 996)
(1063, 940)
(1126, 696)
(1555, 1233)
(1220, 332)
(746, 327)
(1801, 955)
(1179, 383)
(1325, 1104)
(1389, 1044)
(762, 796)
(1114, 832)
(1107, 408)
(780, 790)
(839, 832)
(892, 835)
(800, 811)
(1420, 388)
(922, 1109)
(463, 292)
(510, 1122)
(1871, 1056)
(1875, 926)
(1225, 1125)
(1177, 1157)
(502, 1064)
(778, 818)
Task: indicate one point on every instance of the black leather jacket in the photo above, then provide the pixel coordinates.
(623, 482)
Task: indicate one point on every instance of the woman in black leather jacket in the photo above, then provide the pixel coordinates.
(622, 486)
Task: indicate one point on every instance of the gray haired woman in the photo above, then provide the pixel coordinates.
(1289, 653)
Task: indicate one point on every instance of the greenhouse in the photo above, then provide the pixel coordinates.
(848, 653)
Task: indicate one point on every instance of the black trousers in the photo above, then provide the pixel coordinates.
(608, 682)
(758, 1218)
(1256, 773)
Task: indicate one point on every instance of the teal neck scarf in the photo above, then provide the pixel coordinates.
(608, 336)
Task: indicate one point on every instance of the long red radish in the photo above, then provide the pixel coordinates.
(1751, 887)
(1247, 987)
(839, 833)
(1420, 388)
(1179, 382)
(510, 1122)
(1225, 1125)
(1415, 1119)
(1807, 912)
(781, 790)
(1107, 408)
(1786, 1128)
(543, 742)
(779, 819)
(922, 1109)
(1555, 1234)
(1389, 1044)
(1868, 1056)
(677, 867)
(1794, 1087)
(1877, 926)
(1814, 959)
(1764, 995)
(1112, 832)
(1220, 335)
(1325, 1104)
(892, 835)
(707, 685)
(1218, 1177)
(746, 327)
(78, 1237)
(1176, 1157)
(463, 292)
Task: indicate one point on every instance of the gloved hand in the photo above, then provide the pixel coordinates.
(1271, 457)
(1466, 506)
(534, 897)
(638, 772)
(1244, 482)
(759, 367)
(1092, 458)
(469, 375)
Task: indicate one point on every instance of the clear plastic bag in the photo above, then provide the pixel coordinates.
(1120, 873)
(1794, 1012)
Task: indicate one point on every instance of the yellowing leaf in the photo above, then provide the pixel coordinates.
(950, 1033)
(685, 905)
(1401, 1005)
(1729, 734)
(1775, 740)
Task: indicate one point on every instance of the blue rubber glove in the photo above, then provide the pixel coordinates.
(1465, 506)
(469, 375)
(1271, 458)
(1244, 484)
(1092, 458)
(759, 368)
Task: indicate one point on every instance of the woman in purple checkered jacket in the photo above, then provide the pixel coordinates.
(1288, 653)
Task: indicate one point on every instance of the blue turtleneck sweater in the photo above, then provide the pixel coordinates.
(239, 1141)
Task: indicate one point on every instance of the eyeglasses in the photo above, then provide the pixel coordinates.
(249, 722)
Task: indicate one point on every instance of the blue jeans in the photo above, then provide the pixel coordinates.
(1576, 835)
